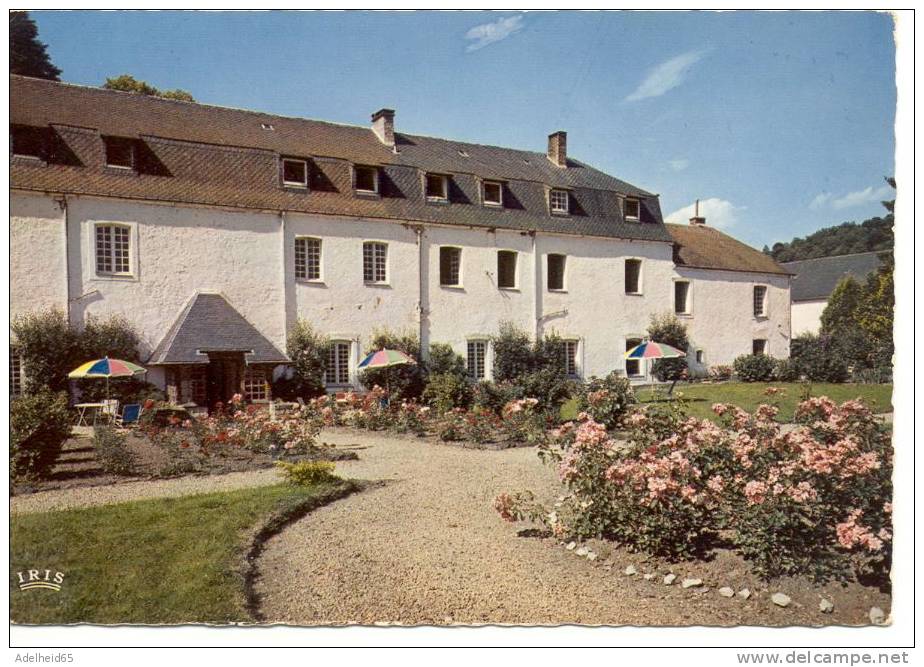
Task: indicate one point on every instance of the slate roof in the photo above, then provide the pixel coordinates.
(200, 154)
(209, 323)
(816, 278)
(705, 247)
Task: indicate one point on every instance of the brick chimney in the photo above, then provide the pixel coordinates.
(697, 219)
(558, 148)
(383, 124)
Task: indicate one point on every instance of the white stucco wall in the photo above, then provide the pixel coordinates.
(38, 278)
(806, 316)
(722, 321)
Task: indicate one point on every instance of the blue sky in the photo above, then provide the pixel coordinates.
(781, 122)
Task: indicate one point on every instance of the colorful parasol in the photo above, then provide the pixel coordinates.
(106, 368)
(385, 358)
(653, 350)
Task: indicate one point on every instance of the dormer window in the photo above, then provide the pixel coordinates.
(120, 152)
(492, 193)
(294, 173)
(366, 179)
(632, 209)
(26, 141)
(437, 187)
(558, 202)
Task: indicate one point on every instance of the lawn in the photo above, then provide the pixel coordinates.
(170, 560)
(748, 396)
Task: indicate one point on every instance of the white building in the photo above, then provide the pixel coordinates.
(213, 230)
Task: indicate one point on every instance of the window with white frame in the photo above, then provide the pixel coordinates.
(255, 387)
(307, 258)
(375, 262)
(558, 201)
(450, 266)
(113, 250)
(700, 357)
(760, 301)
(15, 372)
(570, 350)
(555, 272)
(366, 179)
(759, 346)
(506, 269)
(294, 173)
(682, 297)
(476, 354)
(633, 366)
(632, 208)
(120, 152)
(633, 276)
(492, 193)
(437, 187)
(338, 364)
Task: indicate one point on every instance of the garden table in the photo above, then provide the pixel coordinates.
(82, 412)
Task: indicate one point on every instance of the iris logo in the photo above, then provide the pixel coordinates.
(48, 579)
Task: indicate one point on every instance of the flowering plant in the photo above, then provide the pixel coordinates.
(523, 421)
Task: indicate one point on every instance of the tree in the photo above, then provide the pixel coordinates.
(668, 329)
(840, 313)
(129, 84)
(308, 351)
(844, 239)
(28, 56)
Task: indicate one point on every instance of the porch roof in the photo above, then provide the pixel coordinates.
(209, 323)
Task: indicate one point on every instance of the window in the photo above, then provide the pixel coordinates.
(556, 272)
(506, 269)
(682, 297)
(113, 250)
(475, 358)
(28, 141)
(437, 189)
(700, 357)
(338, 364)
(120, 152)
(759, 346)
(308, 259)
(294, 173)
(450, 263)
(15, 372)
(558, 201)
(633, 276)
(492, 193)
(366, 179)
(632, 209)
(375, 261)
(760, 301)
(570, 350)
(255, 387)
(633, 366)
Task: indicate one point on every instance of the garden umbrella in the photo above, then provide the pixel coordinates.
(651, 349)
(386, 358)
(106, 368)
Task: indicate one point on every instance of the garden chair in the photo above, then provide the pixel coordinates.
(129, 416)
(110, 408)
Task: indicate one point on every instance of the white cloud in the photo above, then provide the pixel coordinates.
(679, 164)
(666, 76)
(851, 199)
(488, 33)
(719, 213)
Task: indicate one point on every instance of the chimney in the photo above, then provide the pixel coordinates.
(383, 124)
(697, 219)
(558, 148)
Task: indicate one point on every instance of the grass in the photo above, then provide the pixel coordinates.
(748, 396)
(171, 560)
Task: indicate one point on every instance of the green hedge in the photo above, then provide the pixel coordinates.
(39, 425)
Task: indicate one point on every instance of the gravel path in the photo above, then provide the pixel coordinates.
(427, 547)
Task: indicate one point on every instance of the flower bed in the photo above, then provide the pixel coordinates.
(812, 500)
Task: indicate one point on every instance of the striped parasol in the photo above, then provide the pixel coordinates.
(106, 368)
(653, 350)
(385, 358)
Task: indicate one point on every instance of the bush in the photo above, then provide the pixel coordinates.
(50, 349)
(403, 382)
(447, 391)
(443, 359)
(549, 386)
(494, 396)
(513, 354)
(668, 329)
(111, 453)
(307, 473)
(523, 421)
(720, 373)
(754, 367)
(536, 368)
(607, 400)
(125, 390)
(784, 370)
(818, 359)
(452, 426)
(39, 425)
(481, 425)
(308, 351)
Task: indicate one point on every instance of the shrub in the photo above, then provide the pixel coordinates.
(513, 354)
(549, 386)
(50, 349)
(452, 425)
(494, 396)
(111, 453)
(523, 421)
(443, 359)
(125, 390)
(720, 373)
(308, 351)
(39, 425)
(668, 329)
(481, 425)
(784, 370)
(307, 473)
(403, 382)
(818, 359)
(607, 400)
(754, 367)
(447, 391)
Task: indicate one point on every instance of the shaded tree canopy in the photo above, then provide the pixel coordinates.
(28, 56)
(129, 84)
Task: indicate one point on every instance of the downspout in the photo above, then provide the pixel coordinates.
(537, 289)
(67, 260)
(285, 282)
(424, 348)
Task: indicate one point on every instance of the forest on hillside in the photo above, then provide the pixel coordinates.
(845, 239)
